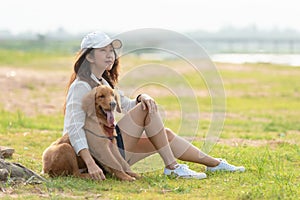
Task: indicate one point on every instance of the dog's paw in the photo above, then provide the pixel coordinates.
(135, 175)
(123, 176)
(131, 179)
(127, 178)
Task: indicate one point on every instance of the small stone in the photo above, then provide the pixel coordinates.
(6, 152)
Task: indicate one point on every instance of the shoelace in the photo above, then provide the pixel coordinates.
(228, 165)
(225, 161)
(185, 168)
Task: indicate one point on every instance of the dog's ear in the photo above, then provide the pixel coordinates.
(118, 100)
(88, 102)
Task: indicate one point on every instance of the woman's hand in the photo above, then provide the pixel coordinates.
(94, 170)
(148, 102)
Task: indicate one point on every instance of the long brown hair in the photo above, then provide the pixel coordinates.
(81, 70)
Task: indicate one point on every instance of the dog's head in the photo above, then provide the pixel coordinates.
(103, 101)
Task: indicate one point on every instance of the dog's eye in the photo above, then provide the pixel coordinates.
(101, 96)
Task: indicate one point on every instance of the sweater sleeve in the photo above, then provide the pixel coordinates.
(126, 103)
(75, 117)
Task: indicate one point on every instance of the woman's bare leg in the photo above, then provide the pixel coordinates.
(182, 149)
(161, 140)
(132, 126)
(185, 151)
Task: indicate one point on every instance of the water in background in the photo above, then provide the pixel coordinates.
(247, 50)
(237, 58)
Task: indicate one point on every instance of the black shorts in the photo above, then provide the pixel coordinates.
(120, 143)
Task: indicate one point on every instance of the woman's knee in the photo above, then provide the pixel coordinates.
(135, 116)
(138, 114)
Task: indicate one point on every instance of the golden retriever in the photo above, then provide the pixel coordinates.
(60, 159)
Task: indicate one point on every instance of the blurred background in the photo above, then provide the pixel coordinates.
(235, 31)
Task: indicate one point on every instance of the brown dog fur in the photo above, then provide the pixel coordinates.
(60, 159)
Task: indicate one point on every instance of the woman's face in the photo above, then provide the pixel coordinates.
(103, 58)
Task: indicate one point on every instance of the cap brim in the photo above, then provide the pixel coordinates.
(116, 43)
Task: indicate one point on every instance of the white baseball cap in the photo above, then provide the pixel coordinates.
(98, 39)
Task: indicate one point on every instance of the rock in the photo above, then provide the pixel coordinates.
(6, 152)
(18, 171)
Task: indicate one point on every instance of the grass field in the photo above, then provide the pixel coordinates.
(261, 130)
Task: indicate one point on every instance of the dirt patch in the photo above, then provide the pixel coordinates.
(32, 92)
(36, 92)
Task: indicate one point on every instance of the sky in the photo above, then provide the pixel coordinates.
(42, 16)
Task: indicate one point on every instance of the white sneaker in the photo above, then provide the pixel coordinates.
(225, 166)
(183, 171)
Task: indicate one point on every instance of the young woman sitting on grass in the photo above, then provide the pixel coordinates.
(141, 128)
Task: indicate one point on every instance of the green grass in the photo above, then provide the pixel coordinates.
(262, 105)
(35, 59)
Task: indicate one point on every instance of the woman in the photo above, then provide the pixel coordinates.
(97, 63)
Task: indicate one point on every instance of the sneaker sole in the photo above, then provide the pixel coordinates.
(187, 177)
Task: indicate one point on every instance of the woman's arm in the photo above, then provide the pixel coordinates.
(73, 125)
(147, 102)
(126, 103)
(75, 117)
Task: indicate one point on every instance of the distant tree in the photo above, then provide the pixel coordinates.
(41, 37)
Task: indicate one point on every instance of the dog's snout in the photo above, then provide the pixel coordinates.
(113, 105)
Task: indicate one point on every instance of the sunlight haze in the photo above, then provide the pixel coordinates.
(77, 16)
